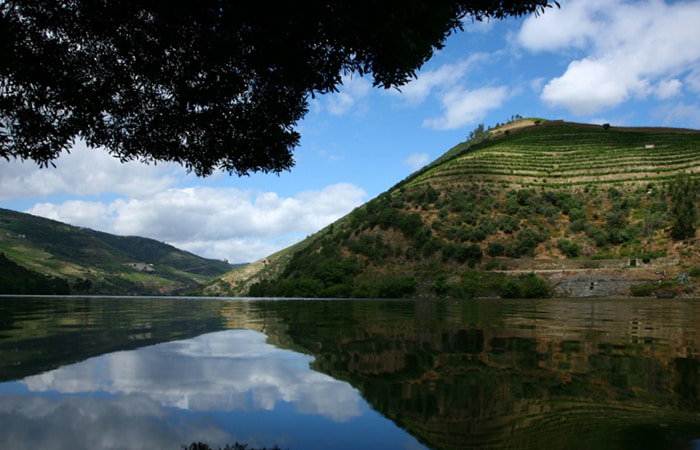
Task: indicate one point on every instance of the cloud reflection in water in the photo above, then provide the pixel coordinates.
(224, 371)
(219, 388)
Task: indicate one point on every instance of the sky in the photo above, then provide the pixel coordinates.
(627, 63)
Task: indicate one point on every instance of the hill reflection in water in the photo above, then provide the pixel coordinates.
(475, 374)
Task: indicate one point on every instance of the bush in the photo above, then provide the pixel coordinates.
(528, 286)
(535, 287)
(491, 265)
(527, 240)
(684, 191)
(643, 290)
(478, 234)
(395, 286)
(472, 284)
(511, 289)
(597, 235)
(569, 248)
(508, 224)
(577, 225)
(496, 249)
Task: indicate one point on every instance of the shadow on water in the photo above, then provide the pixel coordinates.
(477, 374)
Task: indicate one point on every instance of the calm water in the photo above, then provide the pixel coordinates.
(161, 373)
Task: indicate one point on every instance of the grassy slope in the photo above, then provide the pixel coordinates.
(60, 250)
(556, 192)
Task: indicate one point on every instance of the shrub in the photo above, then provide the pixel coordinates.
(511, 205)
(526, 241)
(577, 225)
(478, 234)
(491, 265)
(597, 235)
(694, 271)
(469, 217)
(508, 224)
(495, 249)
(577, 214)
(569, 248)
(511, 289)
(472, 284)
(535, 287)
(684, 191)
(395, 286)
(643, 289)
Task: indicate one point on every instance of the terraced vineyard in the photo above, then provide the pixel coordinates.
(564, 154)
(526, 209)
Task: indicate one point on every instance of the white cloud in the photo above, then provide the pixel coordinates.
(84, 171)
(223, 223)
(443, 78)
(630, 50)
(574, 25)
(474, 26)
(463, 107)
(692, 81)
(589, 86)
(354, 89)
(668, 88)
(79, 212)
(679, 113)
(416, 160)
(448, 83)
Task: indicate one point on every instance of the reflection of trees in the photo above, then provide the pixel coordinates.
(460, 375)
(473, 374)
(41, 334)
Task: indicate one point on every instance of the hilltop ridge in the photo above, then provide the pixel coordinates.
(50, 257)
(529, 208)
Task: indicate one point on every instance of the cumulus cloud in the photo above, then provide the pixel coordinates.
(462, 107)
(77, 212)
(84, 171)
(416, 160)
(354, 89)
(224, 223)
(449, 83)
(627, 50)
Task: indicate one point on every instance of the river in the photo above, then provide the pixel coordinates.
(162, 373)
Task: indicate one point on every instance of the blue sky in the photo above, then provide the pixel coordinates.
(631, 63)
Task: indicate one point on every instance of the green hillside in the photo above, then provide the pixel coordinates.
(93, 262)
(532, 208)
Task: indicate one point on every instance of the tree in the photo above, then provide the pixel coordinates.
(207, 84)
(684, 191)
(477, 133)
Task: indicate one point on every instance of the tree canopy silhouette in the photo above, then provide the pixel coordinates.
(209, 84)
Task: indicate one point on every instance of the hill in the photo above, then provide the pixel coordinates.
(530, 208)
(89, 261)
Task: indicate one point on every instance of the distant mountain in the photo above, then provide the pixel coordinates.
(527, 209)
(89, 261)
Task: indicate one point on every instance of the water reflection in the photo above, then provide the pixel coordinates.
(218, 388)
(224, 371)
(516, 374)
(303, 374)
